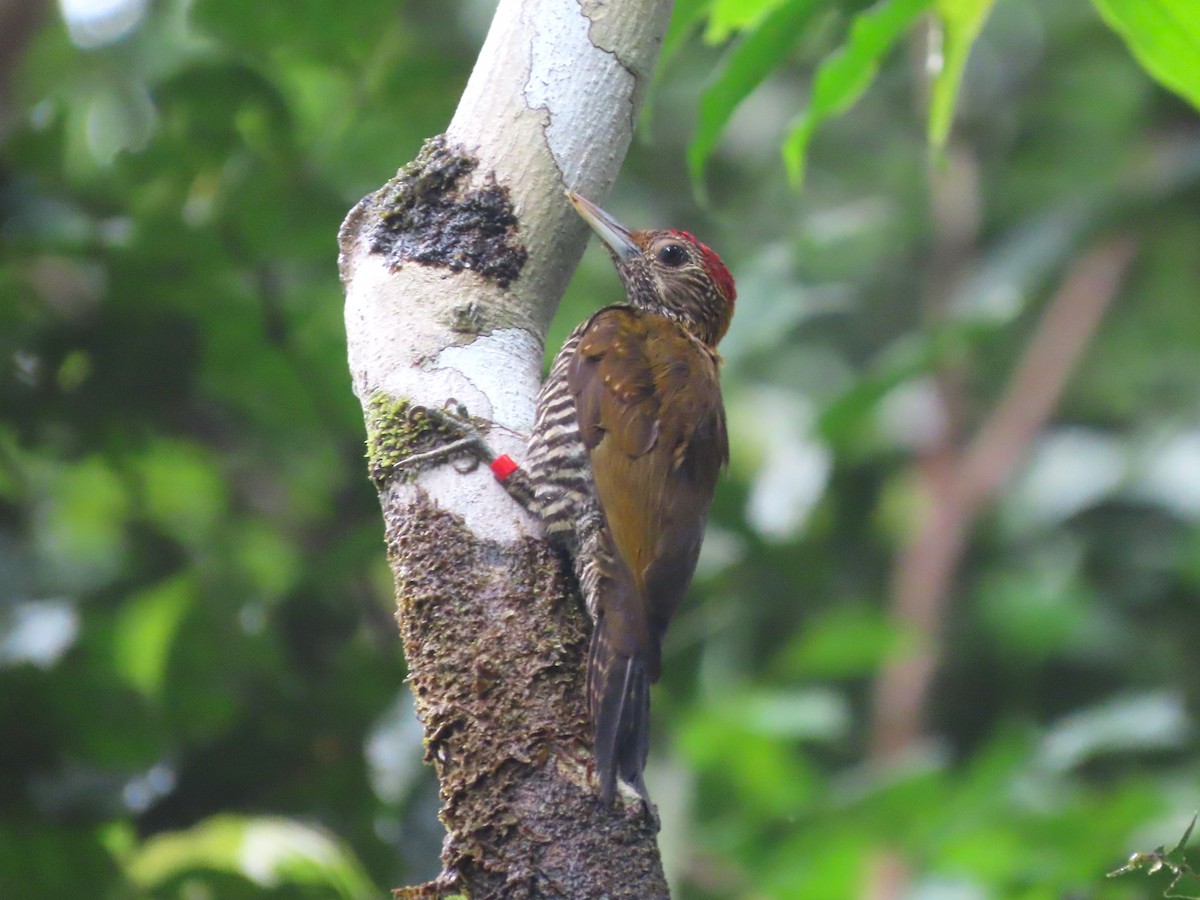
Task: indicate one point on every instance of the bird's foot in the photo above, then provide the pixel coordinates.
(649, 812)
(632, 799)
(647, 807)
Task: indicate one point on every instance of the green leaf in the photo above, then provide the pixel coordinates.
(728, 17)
(843, 642)
(1038, 612)
(312, 29)
(684, 17)
(843, 419)
(80, 527)
(267, 557)
(845, 75)
(751, 61)
(960, 21)
(43, 859)
(266, 851)
(760, 770)
(182, 490)
(813, 714)
(146, 630)
(1164, 36)
(1126, 723)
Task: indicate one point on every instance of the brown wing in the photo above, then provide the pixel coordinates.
(613, 384)
(649, 409)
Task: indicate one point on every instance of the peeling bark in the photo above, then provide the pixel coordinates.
(452, 272)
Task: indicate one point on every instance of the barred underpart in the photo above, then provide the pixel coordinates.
(558, 467)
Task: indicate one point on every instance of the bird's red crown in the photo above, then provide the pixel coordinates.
(716, 269)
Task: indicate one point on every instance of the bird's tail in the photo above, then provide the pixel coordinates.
(619, 691)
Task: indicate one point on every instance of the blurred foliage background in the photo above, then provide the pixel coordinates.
(201, 687)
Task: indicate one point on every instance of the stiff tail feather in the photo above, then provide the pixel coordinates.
(619, 690)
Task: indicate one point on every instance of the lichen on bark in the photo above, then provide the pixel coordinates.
(398, 429)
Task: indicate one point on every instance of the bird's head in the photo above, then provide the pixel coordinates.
(667, 272)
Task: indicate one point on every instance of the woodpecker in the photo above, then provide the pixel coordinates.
(622, 463)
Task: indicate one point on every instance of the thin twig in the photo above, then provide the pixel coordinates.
(1058, 343)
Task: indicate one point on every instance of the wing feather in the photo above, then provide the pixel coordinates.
(649, 407)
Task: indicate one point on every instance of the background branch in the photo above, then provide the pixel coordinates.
(954, 485)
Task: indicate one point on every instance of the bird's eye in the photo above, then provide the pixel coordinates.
(672, 255)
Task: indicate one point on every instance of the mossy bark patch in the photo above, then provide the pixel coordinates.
(495, 648)
(396, 430)
(429, 213)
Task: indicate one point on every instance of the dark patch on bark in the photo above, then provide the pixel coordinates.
(495, 657)
(429, 214)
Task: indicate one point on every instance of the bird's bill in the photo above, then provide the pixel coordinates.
(618, 238)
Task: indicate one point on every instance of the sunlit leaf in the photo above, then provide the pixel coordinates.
(182, 490)
(844, 76)
(1130, 723)
(146, 629)
(727, 17)
(845, 417)
(959, 24)
(267, 851)
(37, 632)
(81, 524)
(1164, 35)
(268, 558)
(793, 465)
(759, 54)
(813, 714)
(1068, 470)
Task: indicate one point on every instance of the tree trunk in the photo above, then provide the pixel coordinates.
(452, 272)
